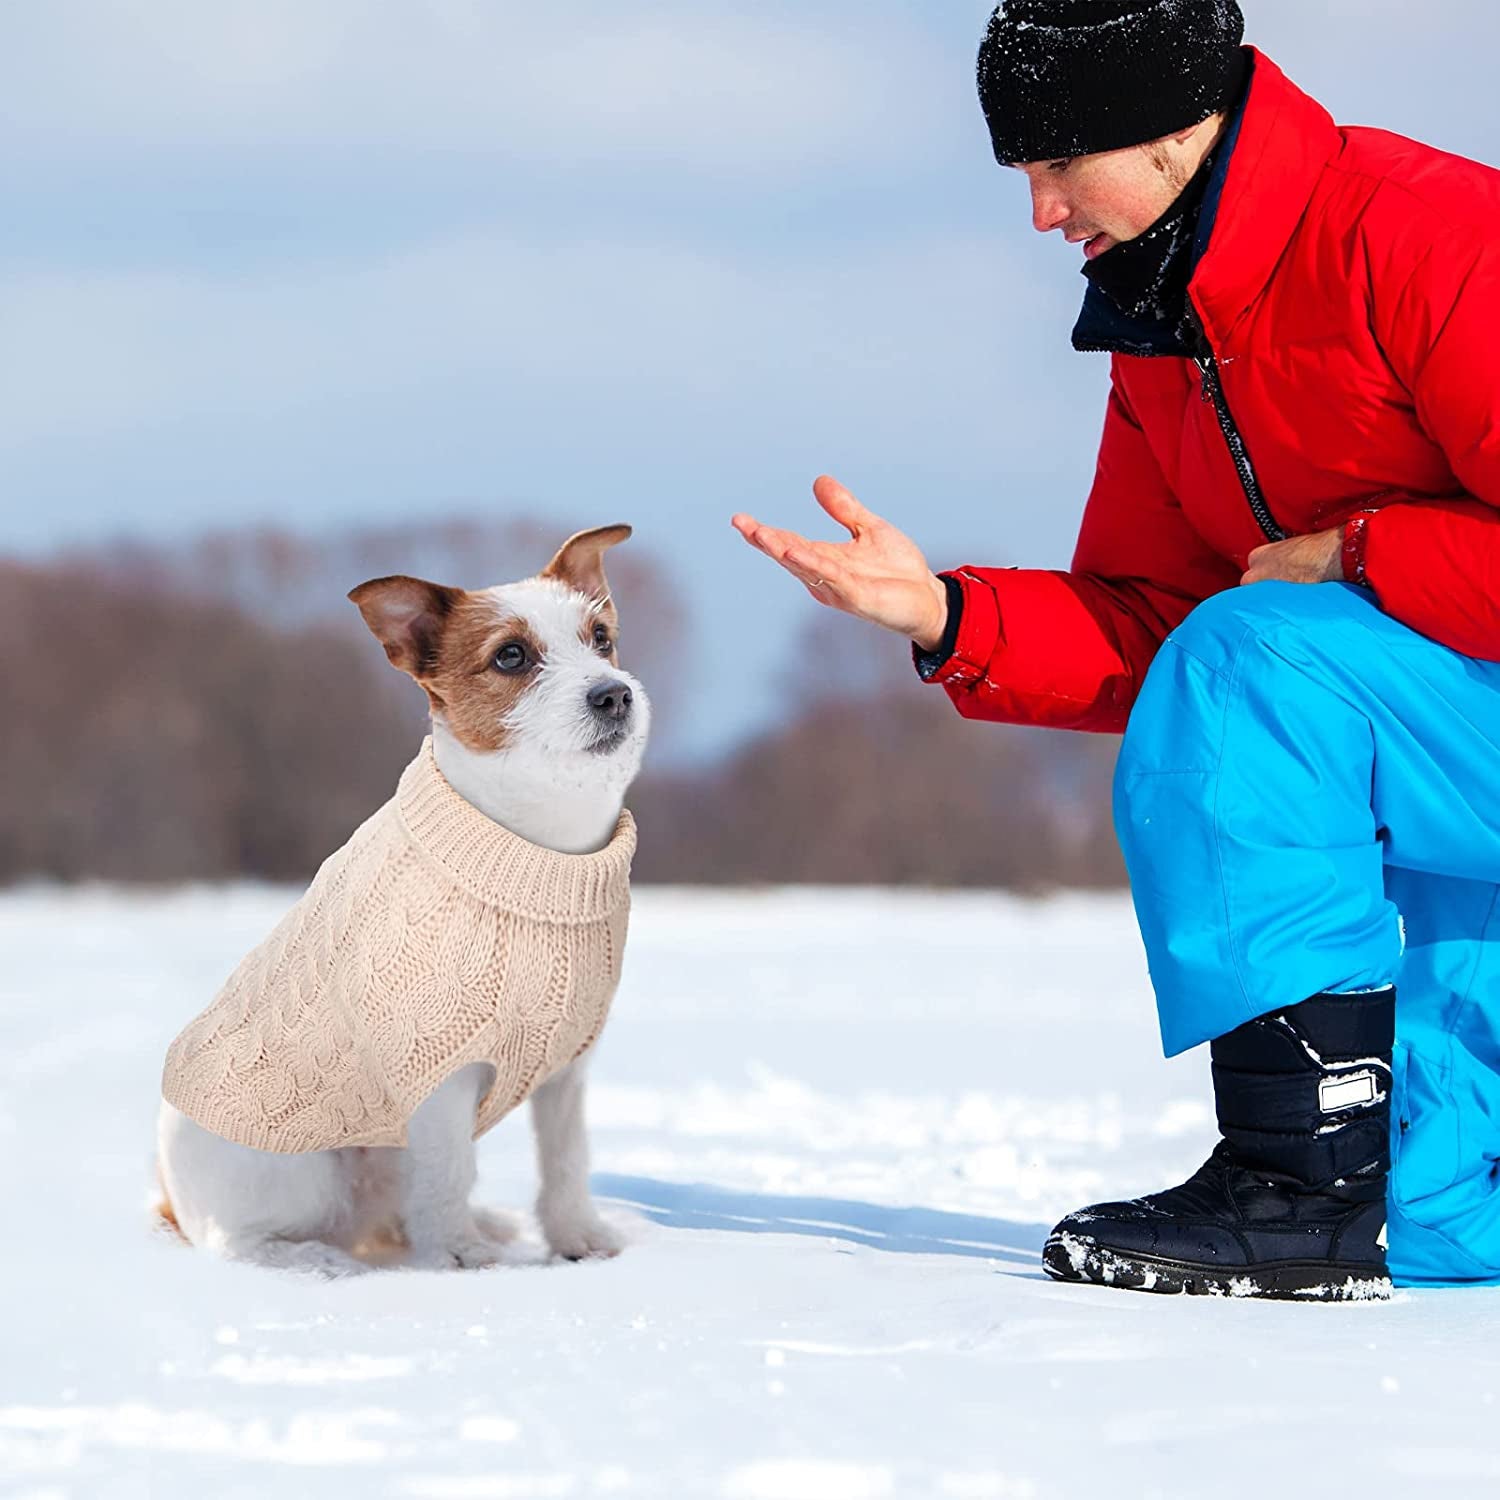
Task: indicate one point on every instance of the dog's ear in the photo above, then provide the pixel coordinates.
(407, 615)
(580, 560)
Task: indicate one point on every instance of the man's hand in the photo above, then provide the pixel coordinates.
(1301, 559)
(879, 576)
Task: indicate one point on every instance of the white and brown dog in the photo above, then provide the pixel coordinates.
(535, 725)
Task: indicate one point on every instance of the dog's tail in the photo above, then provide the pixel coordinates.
(164, 1216)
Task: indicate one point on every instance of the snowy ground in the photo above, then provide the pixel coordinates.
(837, 1126)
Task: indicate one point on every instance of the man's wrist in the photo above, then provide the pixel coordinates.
(931, 639)
(930, 663)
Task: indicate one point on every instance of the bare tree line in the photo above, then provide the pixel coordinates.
(218, 711)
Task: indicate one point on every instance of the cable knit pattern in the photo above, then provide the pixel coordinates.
(433, 939)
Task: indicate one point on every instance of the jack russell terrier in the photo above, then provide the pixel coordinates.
(457, 956)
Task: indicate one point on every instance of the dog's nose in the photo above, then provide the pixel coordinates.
(610, 700)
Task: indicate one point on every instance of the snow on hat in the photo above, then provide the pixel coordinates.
(1072, 77)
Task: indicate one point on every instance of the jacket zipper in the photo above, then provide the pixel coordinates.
(1213, 390)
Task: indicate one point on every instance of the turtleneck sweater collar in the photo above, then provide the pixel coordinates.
(501, 869)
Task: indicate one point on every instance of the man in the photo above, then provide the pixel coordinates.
(1296, 526)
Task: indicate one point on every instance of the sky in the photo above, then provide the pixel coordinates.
(322, 262)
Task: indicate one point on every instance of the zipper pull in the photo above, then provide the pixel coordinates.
(1208, 377)
(1203, 354)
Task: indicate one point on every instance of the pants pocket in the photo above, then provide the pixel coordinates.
(1426, 1156)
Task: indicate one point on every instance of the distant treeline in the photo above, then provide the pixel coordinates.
(219, 712)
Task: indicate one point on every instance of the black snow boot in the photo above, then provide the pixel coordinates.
(1292, 1202)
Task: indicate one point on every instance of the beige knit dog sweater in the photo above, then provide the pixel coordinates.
(433, 939)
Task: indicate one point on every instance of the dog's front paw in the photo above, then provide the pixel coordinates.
(581, 1236)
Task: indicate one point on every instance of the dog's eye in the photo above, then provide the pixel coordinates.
(602, 642)
(512, 657)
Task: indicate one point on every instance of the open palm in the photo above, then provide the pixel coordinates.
(879, 575)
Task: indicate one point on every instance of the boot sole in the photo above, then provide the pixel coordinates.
(1078, 1259)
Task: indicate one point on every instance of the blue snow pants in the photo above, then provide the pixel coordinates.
(1308, 797)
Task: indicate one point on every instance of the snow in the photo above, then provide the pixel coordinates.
(836, 1125)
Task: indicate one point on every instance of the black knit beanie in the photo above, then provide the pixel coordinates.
(1072, 77)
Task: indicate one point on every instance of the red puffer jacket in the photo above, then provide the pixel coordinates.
(1351, 295)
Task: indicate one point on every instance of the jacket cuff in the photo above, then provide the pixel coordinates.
(963, 655)
(1352, 554)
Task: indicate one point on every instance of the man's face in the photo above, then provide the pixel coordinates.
(1101, 201)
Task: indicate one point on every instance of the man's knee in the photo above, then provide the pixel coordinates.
(1211, 657)
(1217, 631)
(1271, 646)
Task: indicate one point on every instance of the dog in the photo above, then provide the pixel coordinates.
(536, 735)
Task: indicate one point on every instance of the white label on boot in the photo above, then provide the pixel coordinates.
(1344, 1093)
